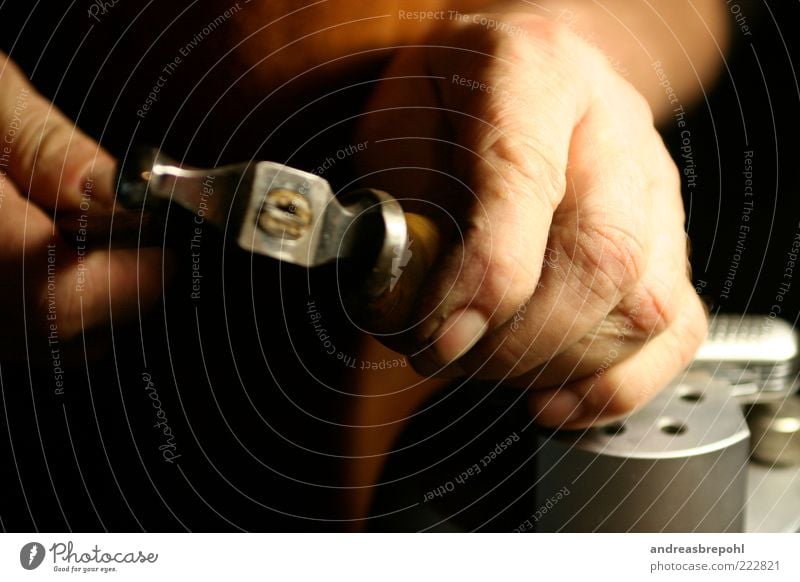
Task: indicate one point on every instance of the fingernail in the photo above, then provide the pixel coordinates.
(456, 336)
(557, 408)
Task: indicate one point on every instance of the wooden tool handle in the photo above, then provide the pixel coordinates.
(392, 311)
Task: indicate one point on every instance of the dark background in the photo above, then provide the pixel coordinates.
(247, 393)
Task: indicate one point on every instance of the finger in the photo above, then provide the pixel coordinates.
(515, 165)
(642, 314)
(18, 225)
(628, 385)
(23, 230)
(105, 287)
(49, 157)
(68, 290)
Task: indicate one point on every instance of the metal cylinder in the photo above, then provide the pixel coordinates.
(677, 465)
(775, 428)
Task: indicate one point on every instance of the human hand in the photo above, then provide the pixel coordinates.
(51, 286)
(566, 267)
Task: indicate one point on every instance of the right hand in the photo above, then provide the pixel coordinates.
(50, 286)
(564, 265)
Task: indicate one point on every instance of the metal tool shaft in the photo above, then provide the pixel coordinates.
(276, 211)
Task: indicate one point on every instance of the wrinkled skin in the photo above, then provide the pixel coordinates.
(565, 268)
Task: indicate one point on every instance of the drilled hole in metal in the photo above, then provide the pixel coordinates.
(672, 427)
(613, 429)
(692, 397)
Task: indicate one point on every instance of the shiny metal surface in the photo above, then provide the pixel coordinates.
(275, 210)
(775, 429)
(322, 241)
(757, 354)
(677, 465)
(773, 499)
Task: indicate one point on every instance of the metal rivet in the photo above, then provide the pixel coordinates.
(285, 214)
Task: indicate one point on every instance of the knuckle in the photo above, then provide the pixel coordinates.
(665, 176)
(647, 312)
(613, 253)
(506, 281)
(40, 139)
(672, 177)
(29, 138)
(53, 159)
(55, 140)
(608, 262)
(685, 320)
(547, 174)
(639, 106)
(51, 150)
(635, 107)
(528, 170)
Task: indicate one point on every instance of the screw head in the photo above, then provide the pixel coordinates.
(286, 214)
